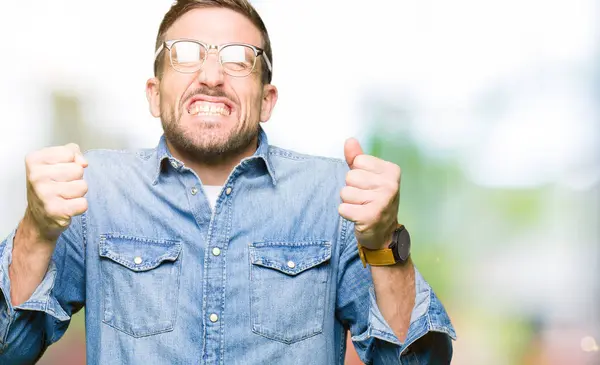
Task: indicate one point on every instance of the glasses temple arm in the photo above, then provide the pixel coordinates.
(162, 46)
(264, 55)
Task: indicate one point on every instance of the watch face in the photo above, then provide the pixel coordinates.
(403, 245)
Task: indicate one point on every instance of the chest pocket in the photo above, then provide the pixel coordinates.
(288, 288)
(140, 283)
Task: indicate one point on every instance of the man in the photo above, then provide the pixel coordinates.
(215, 247)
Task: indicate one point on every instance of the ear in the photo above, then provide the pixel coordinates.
(268, 102)
(153, 96)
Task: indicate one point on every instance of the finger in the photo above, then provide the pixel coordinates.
(62, 210)
(371, 164)
(78, 155)
(352, 195)
(79, 159)
(52, 155)
(76, 206)
(72, 189)
(61, 172)
(351, 150)
(63, 222)
(363, 179)
(353, 212)
(73, 147)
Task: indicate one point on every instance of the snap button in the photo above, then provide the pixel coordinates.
(216, 251)
(291, 264)
(174, 164)
(213, 318)
(194, 191)
(228, 191)
(137, 260)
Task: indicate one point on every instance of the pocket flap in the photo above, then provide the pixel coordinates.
(291, 258)
(138, 253)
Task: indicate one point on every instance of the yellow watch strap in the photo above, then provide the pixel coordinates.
(383, 257)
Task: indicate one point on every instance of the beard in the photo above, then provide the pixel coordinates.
(204, 142)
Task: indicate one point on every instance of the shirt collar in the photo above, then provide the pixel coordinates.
(163, 156)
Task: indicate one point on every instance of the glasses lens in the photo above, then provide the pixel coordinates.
(187, 56)
(237, 60)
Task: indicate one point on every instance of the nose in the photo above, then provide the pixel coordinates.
(211, 74)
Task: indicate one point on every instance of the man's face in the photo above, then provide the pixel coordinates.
(209, 115)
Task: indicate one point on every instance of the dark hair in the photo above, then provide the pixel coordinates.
(179, 8)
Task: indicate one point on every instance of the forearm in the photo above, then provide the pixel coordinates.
(395, 293)
(31, 256)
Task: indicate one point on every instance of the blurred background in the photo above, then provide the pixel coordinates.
(491, 108)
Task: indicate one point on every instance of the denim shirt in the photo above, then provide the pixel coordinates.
(271, 276)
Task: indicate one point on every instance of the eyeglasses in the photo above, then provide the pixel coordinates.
(188, 56)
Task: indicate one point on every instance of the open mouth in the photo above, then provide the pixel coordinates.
(211, 106)
(208, 108)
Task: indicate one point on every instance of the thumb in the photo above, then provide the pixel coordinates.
(351, 150)
(78, 155)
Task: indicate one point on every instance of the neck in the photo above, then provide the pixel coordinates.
(213, 172)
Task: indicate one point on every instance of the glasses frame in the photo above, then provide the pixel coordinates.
(169, 45)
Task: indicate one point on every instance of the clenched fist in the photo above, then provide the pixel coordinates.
(55, 188)
(371, 196)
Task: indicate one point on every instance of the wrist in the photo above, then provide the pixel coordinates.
(388, 237)
(396, 251)
(30, 238)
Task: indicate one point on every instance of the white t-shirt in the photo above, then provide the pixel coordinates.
(212, 194)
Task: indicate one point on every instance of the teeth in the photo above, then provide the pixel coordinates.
(205, 108)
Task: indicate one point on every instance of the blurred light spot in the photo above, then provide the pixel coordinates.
(588, 344)
(437, 259)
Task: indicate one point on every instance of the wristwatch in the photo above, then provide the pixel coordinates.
(397, 252)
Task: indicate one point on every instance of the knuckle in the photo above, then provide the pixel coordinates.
(77, 170)
(391, 186)
(34, 176)
(84, 205)
(84, 187)
(349, 176)
(72, 146)
(78, 206)
(67, 152)
(78, 188)
(395, 170)
(360, 160)
(353, 175)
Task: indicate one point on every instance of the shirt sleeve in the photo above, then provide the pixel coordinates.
(430, 332)
(28, 329)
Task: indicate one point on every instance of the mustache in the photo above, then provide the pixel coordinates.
(218, 93)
